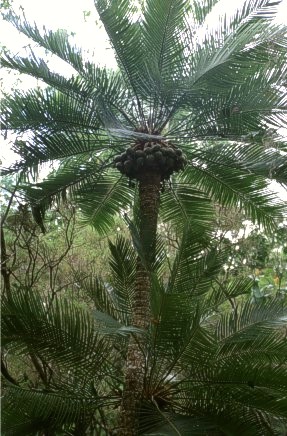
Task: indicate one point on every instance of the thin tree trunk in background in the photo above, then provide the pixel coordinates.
(4, 263)
(149, 193)
(4, 257)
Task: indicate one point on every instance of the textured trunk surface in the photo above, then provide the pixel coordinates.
(149, 193)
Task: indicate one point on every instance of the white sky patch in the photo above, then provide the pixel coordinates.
(66, 15)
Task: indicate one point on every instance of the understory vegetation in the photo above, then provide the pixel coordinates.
(216, 327)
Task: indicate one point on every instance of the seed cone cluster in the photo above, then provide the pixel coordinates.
(160, 157)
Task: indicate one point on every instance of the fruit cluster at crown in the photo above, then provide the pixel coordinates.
(150, 156)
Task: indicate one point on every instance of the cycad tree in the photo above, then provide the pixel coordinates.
(186, 113)
(208, 371)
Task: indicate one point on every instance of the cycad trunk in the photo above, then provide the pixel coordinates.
(149, 193)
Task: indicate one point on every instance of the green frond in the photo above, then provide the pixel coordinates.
(197, 373)
(162, 24)
(155, 421)
(233, 186)
(50, 110)
(162, 27)
(153, 265)
(59, 331)
(224, 64)
(105, 299)
(235, 327)
(101, 202)
(251, 351)
(182, 203)
(35, 67)
(99, 91)
(200, 9)
(55, 42)
(176, 340)
(83, 181)
(64, 182)
(114, 295)
(263, 162)
(220, 294)
(247, 11)
(27, 411)
(279, 173)
(107, 325)
(176, 333)
(195, 265)
(241, 109)
(48, 146)
(123, 271)
(236, 394)
(216, 403)
(123, 30)
(234, 50)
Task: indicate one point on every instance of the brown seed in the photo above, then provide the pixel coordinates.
(117, 158)
(128, 166)
(139, 153)
(150, 160)
(140, 162)
(120, 166)
(156, 147)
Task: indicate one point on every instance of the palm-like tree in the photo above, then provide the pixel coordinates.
(152, 121)
(207, 371)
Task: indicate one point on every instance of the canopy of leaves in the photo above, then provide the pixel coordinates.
(216, 93)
